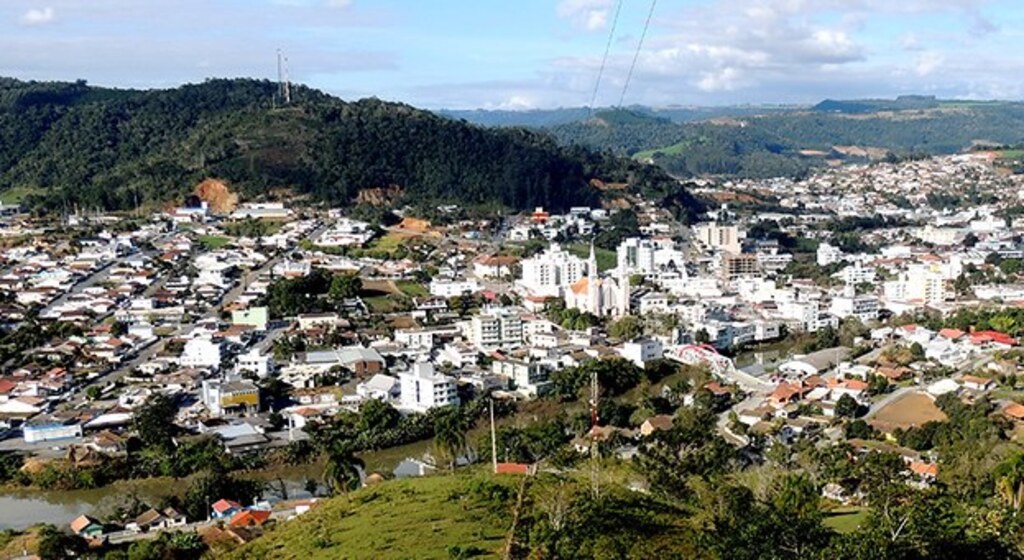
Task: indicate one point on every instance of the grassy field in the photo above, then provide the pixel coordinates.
(214, 241)
(606, 260)
(1011, 154)
(380, 303)
(845, 519)
(674, 149)
(391, 520)
(388, 243)
(16, 194)
(412, 289)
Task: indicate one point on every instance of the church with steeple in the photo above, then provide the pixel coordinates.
(600, 296)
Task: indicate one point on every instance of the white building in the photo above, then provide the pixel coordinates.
(424, 389)
(863, 307)
(828, 254)
(381, 387)
(255, 362)
(529, 378)
(636, 256)
(453, 288)
(415, 338)
(599, 296)
(551, 272)
(201, 353)
(642, 350)
(346, 232)
(495, 328)
(856, 273)
(920, 283)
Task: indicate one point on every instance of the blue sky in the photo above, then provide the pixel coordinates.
(532, 53)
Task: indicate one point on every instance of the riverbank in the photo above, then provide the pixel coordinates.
(23, 507)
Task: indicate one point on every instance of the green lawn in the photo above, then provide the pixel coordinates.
(419, 518)
(845, 519)
(380, 304)
(1011, 154)
(412, 289)
(214, 241)
(606, 260)
(672, 150)
(16, 194)
(387, 243)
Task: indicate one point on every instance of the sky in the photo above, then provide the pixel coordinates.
(526, 54)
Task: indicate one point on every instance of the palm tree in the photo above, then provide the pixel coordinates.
(1009, 477)
(450, 427)
(342, 472)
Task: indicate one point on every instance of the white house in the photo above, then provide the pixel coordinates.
(381, 387)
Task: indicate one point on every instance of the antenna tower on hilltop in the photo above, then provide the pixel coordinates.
(284, 86)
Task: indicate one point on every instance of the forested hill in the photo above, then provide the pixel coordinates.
(72, 144)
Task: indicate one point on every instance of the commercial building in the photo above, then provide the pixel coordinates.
(233, 396)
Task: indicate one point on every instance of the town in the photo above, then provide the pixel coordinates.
(851, 307)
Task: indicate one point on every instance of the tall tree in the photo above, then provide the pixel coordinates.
(450, 426)
(343, 469)
(154, 422)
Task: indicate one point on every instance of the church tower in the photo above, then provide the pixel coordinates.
(593, 281)
(622, 299)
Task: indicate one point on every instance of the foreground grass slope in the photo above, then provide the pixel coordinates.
(433, 517)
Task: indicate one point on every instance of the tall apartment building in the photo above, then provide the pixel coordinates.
(636, 256)
(715, 237)
(424, 389)
(740, 265)
(495, 328)
(551, 272)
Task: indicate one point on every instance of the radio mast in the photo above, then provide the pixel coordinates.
(284, 87)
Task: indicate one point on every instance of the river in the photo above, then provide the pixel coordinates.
(23, 508)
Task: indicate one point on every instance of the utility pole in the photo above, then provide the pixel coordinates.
(595, 482)
(494, 441)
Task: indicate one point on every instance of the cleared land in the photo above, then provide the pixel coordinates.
(912, 409)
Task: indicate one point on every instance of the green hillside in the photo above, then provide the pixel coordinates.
(470, 516)
(72, 144)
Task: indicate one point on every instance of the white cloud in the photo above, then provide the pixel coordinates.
(591, 15)
(927, 63)
(339, 3)
(38, 16)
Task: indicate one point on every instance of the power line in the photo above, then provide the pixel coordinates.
(604, 59)
(636, 55)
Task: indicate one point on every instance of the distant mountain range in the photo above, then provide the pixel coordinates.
(751, 141)
(553, 117)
